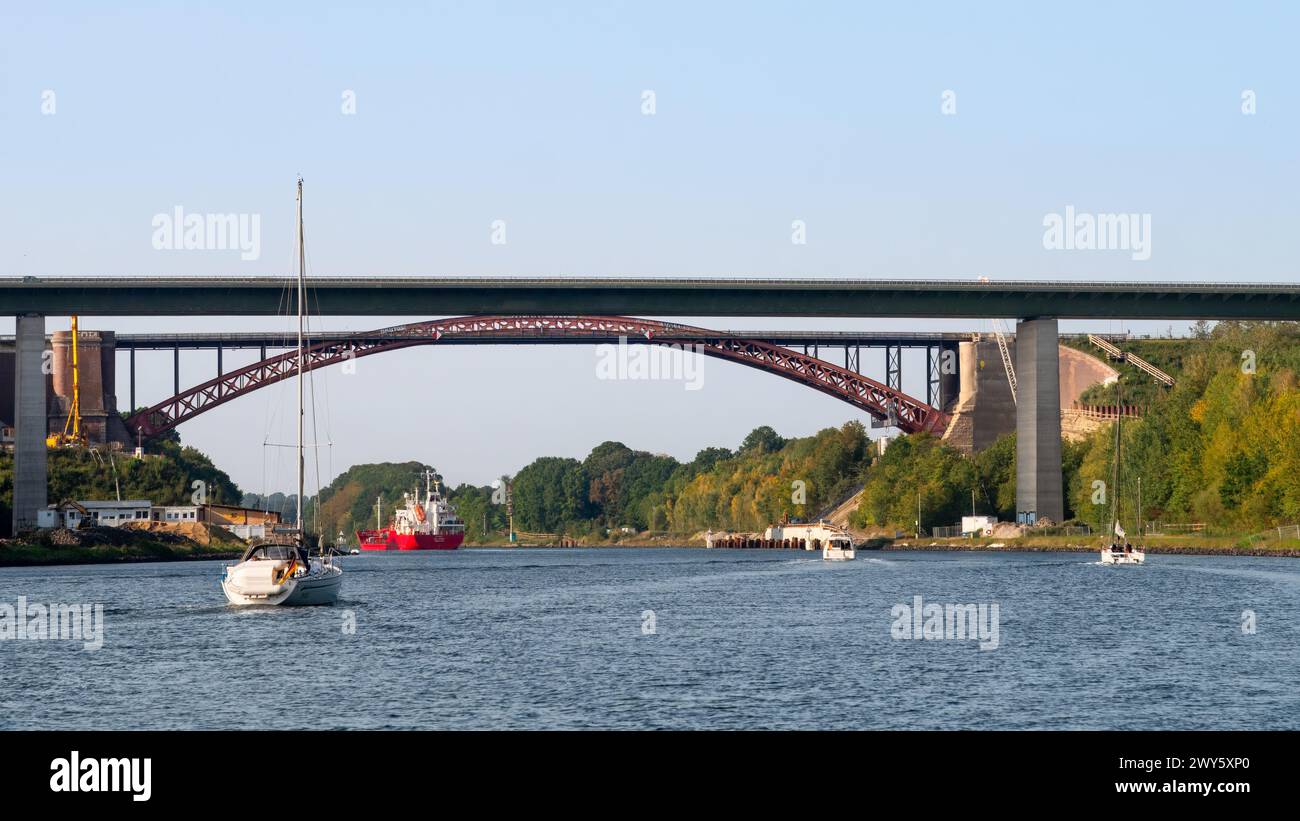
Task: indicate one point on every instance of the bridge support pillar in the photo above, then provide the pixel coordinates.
(1039, 494)
(942, 382)
(30, 426)
(949, 375)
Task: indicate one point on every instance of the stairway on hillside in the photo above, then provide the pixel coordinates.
(1115, 352)
(839, 511)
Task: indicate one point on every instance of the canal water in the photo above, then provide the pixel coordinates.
(672, 638)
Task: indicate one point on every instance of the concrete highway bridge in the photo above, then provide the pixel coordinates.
(1038, 305)
(656, 297)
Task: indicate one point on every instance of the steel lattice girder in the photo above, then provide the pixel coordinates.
(909, 414)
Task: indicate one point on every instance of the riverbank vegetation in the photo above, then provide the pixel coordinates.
(1219, 450)
(616, 488)
(165, 476)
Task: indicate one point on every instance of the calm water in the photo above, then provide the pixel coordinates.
(550, 638)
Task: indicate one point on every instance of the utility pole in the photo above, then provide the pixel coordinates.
(918, 513)
(1139, 510)
(510, 510)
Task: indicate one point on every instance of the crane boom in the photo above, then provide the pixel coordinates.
(1000, 332)
(71, 436)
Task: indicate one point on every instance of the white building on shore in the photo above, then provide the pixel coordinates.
(246, 523)
(72, 515)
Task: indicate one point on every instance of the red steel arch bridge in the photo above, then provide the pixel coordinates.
(886, 402)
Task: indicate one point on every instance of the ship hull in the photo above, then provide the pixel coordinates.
(389, 539)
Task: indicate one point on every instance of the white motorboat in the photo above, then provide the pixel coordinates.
(838, 544)
(837, 550)
(280, 570)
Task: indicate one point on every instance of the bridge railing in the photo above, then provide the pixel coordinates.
(1108, 411)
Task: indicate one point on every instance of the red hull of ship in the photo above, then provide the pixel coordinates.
(389, 539)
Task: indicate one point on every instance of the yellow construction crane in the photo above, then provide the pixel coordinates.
(72, 435)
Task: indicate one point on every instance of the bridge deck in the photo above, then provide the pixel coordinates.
(280, 339)
(407, 296)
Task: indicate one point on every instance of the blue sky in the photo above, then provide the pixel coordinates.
(531, 113)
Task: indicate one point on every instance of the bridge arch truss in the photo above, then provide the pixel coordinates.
(881, 401)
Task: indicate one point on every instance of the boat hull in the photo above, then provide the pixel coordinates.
(1111, 557)
(838, 554)
(389, 539)
(308, 591)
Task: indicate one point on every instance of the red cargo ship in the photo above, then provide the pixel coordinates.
(428, 524)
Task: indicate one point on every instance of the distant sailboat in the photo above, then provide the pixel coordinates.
(280, 570)
(1120, 550)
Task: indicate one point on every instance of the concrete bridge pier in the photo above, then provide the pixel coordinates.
(1039, 493)
(29, 420)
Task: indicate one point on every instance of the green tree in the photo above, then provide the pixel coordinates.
(762, 440)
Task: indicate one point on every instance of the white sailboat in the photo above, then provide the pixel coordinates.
(1120, 550)
(280, 570)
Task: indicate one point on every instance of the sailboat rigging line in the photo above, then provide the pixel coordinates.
(276, 397)
(315, 435)
(266, 499)
(294, 445)
(309, 294)
(329, 425)
(302, 310)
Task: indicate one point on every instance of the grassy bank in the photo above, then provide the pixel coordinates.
(22, 554)
(1186, 545)
(154, 542)
(640, 540)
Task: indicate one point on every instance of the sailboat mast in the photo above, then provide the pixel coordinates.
(1114, 490)
(302, 291)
